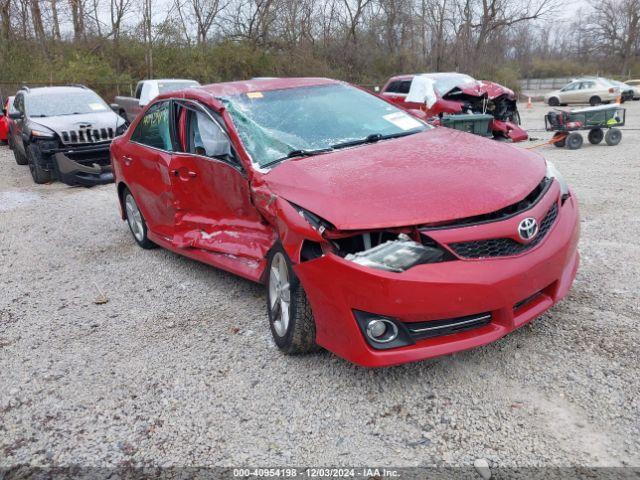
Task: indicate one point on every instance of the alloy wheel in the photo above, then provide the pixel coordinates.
(279, 294)
(134, 218)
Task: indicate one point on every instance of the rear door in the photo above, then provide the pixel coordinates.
(214, 211)
(145, 167)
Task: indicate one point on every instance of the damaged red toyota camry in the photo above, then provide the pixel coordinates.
(379, 237)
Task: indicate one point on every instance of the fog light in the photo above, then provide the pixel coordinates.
(381, 330)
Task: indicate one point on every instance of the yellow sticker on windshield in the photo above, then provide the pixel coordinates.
(254, 94)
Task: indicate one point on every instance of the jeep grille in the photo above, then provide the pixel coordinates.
(87, 135)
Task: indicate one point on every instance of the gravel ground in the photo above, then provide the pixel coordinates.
(178, 368)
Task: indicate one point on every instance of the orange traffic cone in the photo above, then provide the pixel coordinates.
(529, 104)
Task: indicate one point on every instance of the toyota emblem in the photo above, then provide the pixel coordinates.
(528, 228)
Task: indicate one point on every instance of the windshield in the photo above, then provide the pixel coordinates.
(164, 87)
(277, 123)
(446, 84)
(69, 103)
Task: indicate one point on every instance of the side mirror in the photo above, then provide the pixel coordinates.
(115, 107)
(15, 115)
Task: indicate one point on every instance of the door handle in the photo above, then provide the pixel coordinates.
(127, 160)
(184, 175)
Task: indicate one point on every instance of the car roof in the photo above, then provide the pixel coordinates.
(435, 75)
(56, 90)
(170, 80)
(264, 85)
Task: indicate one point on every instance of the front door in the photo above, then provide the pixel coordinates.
(213, 205)
(18, 125)
(146, 165)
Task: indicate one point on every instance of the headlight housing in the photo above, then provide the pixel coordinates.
(552, 172)
(42, 133)
(389, 251)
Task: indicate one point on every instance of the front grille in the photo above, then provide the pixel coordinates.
(88, 135)
(437, 328)
(504, 247)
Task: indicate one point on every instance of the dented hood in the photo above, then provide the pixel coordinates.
(481, 88)
(435, 176)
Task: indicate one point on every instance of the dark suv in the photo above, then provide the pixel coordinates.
(64, 133)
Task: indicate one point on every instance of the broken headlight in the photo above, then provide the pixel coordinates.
(397, 255)
(552, 172)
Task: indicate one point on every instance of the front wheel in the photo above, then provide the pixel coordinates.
(21, 159)
(554, 101)
(290, 317)
(34, 159)
(137, 224)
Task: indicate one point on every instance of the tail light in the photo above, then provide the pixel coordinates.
(612, 90)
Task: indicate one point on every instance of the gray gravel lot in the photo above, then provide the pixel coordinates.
(179, 368)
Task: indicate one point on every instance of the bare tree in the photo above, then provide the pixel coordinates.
(55, 19)
(616, 26)
(5, 18)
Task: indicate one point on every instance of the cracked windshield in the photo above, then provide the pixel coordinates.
(280, 124)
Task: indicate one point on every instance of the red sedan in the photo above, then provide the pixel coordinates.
(379, 237)
(458, 93)
(4, 119)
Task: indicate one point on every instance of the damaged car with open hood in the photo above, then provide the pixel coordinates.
(63, 133)
(378, 237)
(444, 98)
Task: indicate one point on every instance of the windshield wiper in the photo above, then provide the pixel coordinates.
(374, 137)
(297, 153)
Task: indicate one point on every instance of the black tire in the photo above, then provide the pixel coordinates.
(138, 227)
(34, 159)
(559, 143)
(595, 100)
(554, 102)
(595, 136)
(299, 335)
(574, 141)
(613, 137)
(21, 159)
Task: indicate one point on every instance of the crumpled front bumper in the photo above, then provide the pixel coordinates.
(73, 172)
(514, 290)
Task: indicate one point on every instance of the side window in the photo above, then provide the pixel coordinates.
(153, 129)
(139, 90)
(571, 86)
(405, 86)
(203, 136)
(394, 87)
(588, 85)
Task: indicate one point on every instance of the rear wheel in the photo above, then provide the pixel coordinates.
(574, 141)
(559, 139)
(613, 137)
(290, 317)
(595, 136)
(554, 102)
(595, 100)
(136, 221)
(34, 159)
